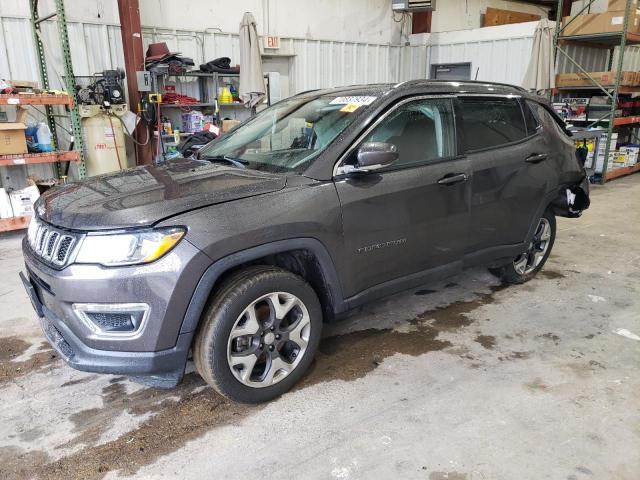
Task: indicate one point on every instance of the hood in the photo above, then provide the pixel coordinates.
(142, 196)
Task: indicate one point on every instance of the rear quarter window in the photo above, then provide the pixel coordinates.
(549, 121)
(491, 122)
(530, 119)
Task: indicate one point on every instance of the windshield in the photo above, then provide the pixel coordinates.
(288, 136)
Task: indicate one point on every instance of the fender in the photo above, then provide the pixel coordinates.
(551, 200)
(544, 203)
(211, 275)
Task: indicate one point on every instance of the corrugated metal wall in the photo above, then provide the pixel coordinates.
(303, 63)
(94, 47)
(312, 63)
(502, 60)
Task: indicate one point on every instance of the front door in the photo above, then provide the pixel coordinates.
(412, 215)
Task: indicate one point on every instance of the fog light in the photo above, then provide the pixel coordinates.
(121, 319)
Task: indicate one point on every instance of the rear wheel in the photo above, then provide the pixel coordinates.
(526, 265)
(259, 334)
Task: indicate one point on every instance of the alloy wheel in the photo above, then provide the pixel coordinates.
(529, 260)
(268, 339)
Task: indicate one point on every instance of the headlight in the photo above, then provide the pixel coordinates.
(32, 231)
(128, 248)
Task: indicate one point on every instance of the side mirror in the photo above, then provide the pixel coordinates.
(375, 155)
(371, 156)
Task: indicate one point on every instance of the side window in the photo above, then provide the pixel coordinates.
(530, 119)
(491, 122)
(422, 130)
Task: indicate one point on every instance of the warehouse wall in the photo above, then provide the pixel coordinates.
(497, 53)
(453, 15)
(501, 54)
(353, 20)
(368, 21)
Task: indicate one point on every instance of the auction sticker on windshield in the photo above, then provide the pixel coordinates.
(350, 107)
(356, 100)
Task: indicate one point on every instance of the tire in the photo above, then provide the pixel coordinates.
(250, 367)
(513, 272)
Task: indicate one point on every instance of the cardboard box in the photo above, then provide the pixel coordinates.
(621, 5)
(607, 22)
(629, 155)
(12, 139)
(229, 124)
(597, 6)
(579, 79)
(23, 84)
(22, 200)
(5, 204)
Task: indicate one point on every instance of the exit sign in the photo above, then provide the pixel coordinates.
(271, 42)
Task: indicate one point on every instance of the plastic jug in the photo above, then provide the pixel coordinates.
(44, 138)
(225, 95)
(32, 133)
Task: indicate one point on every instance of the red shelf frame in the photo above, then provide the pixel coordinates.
(622, 171)
(14, 223)
(36, 99)
(33, 158)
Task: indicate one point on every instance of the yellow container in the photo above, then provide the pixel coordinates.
(225, 95)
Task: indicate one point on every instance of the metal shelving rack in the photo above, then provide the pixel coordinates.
(608, 40)
(68, 79)
(47, 101)
(208, 85)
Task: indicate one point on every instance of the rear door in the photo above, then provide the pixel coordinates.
(413, 215)
(509, 159)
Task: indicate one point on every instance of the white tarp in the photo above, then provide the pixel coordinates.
(252, 89)
(540, 75)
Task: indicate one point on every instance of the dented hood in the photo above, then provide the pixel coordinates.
(145, 195)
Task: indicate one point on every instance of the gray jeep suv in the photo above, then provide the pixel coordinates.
(320, 203)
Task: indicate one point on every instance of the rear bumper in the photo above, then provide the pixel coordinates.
(572, 200)
(164, 368)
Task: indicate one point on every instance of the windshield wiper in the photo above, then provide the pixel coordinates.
(236, 162)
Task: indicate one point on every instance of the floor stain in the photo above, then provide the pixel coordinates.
(551, 274)
(487, 341)
(172, 425)
(13, 347)
(551, 336)
(447, 476)
(536, 385)
(193, 408)
(78, 381)
(515, 356)
(353, 355)
(17, 463)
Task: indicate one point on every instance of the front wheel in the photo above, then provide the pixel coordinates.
(526, 265)
(259, 335)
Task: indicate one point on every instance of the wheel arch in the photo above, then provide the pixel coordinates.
(307, 257)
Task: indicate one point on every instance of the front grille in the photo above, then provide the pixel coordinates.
(52, 245)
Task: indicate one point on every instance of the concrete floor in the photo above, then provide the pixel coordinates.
(461, 379)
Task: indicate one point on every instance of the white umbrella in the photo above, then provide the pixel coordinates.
(541, 75)
(251, 78)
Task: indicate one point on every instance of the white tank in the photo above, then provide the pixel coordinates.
(103, 140)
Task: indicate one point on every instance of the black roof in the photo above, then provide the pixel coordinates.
(427, 86)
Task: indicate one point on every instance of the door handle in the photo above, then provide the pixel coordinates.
(536, 158)
(453, 178)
